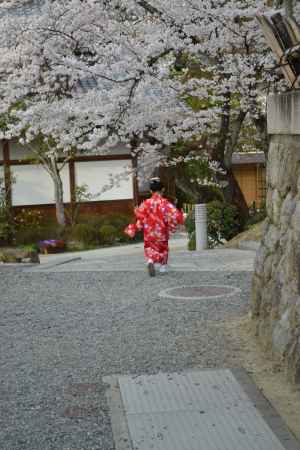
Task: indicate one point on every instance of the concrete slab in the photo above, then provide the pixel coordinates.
(198, 410)
(220, 260)
(177, 242)
(58, 262)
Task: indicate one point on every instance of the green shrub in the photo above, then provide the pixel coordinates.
(95, 221)
(27, 236)
(28, 227)
(9, 258)
(6, 231)
(192, 241)
(108, 234)
(82, 194)
(190, 222)
(31, 248)
(17, 255)
(102, 231)
(28, 218)
(139, 237)
(119, 221)
(222, 223)
(32, 235)
(84, 233)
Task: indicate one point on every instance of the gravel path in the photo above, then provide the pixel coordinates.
(62, 332)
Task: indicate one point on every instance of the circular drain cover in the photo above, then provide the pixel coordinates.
(198, 292)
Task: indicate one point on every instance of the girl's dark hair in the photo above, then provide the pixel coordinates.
(156, 185)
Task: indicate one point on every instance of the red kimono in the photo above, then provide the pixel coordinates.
(157, 217)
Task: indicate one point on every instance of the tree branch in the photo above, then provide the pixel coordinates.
(224, 130)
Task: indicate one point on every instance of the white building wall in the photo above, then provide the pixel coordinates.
(96, 174)
(34, 186)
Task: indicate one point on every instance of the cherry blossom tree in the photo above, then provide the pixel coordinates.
(158, 72)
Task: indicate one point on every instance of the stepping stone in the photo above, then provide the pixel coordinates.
(197, 410)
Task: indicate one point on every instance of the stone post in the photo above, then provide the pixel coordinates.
(276, 281)
(201, 226)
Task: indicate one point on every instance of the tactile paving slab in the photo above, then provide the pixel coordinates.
(197, 410)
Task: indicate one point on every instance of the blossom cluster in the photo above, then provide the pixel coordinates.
(141, 62)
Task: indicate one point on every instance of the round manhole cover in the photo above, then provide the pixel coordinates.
(199, 292)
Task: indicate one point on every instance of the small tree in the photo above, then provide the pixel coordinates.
(42, 150)
(82, 194)
(45, 152)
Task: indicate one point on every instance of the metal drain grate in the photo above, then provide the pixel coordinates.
(199, 292)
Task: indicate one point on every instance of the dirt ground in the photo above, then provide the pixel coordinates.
(267, 372)
(253, 234)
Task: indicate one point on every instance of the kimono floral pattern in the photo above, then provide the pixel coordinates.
(156, 217)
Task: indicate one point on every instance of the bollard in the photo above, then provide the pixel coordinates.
(201, 226)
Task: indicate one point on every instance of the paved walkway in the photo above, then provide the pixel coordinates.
(64, 328)
(130, 258)
(178, 242)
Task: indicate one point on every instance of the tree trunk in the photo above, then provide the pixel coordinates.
(197, 194)
(58, 193)
(227, 142)
(261, 126)
(59, 201)
(50, 164)
(234, 195)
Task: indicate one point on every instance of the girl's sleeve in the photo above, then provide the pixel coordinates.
(174, 217)
(140, 214)
(180, 217)
(131, 230)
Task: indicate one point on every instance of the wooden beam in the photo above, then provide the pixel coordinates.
(72, 188)
(135, 182)
(25, 162)
(72, 181)
(275, 44)
(102, 158)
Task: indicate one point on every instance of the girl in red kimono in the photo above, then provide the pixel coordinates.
(157, 217)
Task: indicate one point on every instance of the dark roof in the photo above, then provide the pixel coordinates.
(248, 158)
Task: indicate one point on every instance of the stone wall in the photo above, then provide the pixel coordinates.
(276, 282)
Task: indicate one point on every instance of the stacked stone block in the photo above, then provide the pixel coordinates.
(276, 281)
